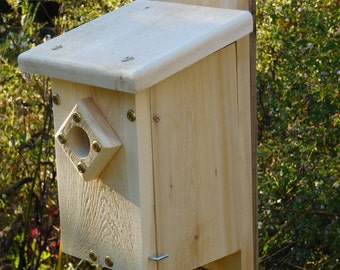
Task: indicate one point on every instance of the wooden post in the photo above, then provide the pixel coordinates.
(246, 52)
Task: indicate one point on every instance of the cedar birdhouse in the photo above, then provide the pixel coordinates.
(152, 128)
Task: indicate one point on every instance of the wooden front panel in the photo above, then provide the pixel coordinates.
(203, 202)
(102, 215)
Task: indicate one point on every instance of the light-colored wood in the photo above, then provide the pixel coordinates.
(203, 201)
(246, 136)
(182, 180)
(232, 262)
(146, 183)
(103, 215)
(246, 48)
(80, 135)
(138, 45)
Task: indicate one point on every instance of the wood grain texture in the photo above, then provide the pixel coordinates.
(246, 47)
(103, 215)
(146, 183)
(202, 194)
(138, 45)
(183, 182)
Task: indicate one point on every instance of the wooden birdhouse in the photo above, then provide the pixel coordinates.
(153, 137)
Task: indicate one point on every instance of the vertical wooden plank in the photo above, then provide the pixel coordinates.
(146, 183)
(245, 138)
(202, 198)
(246, 47)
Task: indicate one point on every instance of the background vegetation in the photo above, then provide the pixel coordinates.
(29, 217)
(299, 133)
(298, 113)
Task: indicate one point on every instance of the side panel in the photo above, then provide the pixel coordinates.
(203, 190)
(246, 58)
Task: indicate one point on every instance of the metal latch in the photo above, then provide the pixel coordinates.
(159, 258)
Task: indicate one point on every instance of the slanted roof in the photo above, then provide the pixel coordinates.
(138, 45)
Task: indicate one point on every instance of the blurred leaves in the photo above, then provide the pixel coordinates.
(299, 147)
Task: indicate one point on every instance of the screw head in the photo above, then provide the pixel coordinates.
(96, 146)
(131, 115)
(93, 255)
(81, 167)
(56, 99)
(76, 116)
(62, 138)
(156, 119)
(108, 261)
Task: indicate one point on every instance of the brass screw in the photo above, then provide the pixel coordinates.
(61, 138)
(81, 167)
(96, 146)
(76, 116)
(131, 115)
(108, 261)
(56, 99)
(92, 255)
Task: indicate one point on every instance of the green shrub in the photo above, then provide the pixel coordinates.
(298, 155)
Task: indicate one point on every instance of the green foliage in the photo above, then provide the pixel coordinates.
(74, 13)
(299, 148)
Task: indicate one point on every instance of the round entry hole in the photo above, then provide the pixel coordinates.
(79, 142)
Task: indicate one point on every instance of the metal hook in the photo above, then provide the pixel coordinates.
(159, 258)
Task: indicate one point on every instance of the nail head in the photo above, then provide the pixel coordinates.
(108, 261)
(131, 115)
(56, 99)
(92, 255)
(96, 146)
(62, 138)
(76, 117)
(81, 167)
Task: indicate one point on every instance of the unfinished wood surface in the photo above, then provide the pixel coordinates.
(246, 48)
(232, 262)
(138, 45)
(102, 215)
(203, 201)
(146, 183)
(88, 139)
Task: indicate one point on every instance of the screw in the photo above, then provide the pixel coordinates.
(56, 99)
(81, 167)
(57, 47)
(92, 255)
(131, 115)
(61, 138)
(108, 261)
(156, 119)
(76, 116)
(127, 58)
(96, 146)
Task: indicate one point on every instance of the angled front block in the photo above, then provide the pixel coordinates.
(88, 139)
(153, 137)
